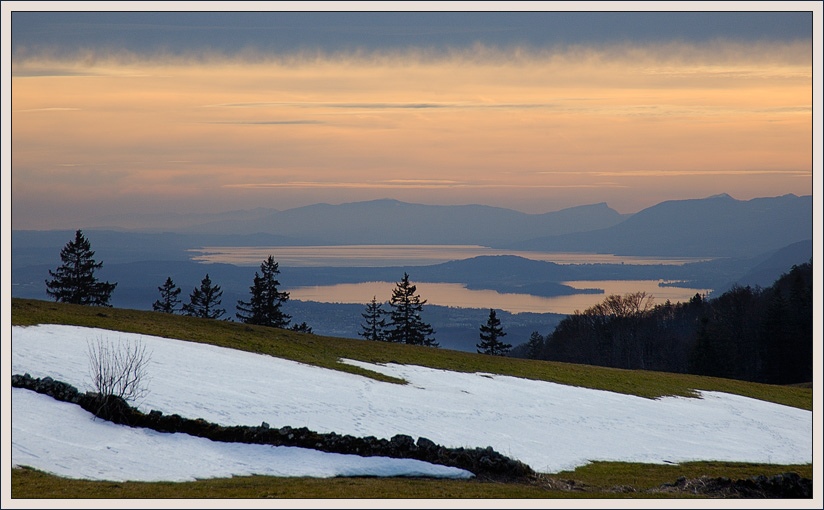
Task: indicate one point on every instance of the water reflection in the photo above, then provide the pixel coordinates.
(457, 295)
(401, 255)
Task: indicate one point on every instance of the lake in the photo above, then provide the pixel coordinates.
(457, 295)
(446, 294)
(401, 255)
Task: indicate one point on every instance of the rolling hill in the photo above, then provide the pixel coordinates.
(486, 399)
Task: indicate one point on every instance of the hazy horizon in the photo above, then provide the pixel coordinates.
(152, 220)
(192, 112)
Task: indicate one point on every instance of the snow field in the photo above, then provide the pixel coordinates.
(75, 445)
(549, 426)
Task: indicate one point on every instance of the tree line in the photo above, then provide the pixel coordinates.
(75, 282)
(405, 325)
(753, 334)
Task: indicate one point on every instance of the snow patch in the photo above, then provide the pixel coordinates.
(549, 426)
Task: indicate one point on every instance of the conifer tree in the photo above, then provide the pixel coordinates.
(406, 325)
(302, 328)
(204, 301)
(263, 308)
(168, 297)
(490, 334)
(535, 345)
(375, 327)
(74, 281)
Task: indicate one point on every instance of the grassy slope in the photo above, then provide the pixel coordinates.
(325, 352)
(594, 480)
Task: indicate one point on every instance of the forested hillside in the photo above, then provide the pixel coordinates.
(753, 334)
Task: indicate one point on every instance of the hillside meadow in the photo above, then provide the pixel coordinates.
(599, 479)
(327, 351)
(596, 480)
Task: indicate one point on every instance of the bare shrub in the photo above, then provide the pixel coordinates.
(118, 369)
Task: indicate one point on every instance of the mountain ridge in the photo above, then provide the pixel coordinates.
(717, 226)
(388, 221)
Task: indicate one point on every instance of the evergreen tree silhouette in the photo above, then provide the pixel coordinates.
(406, 325)
(168, 297)
(204, 301)
(490, 334)
(375, 327)
(264, 307)
(74, 281)
(535, 345)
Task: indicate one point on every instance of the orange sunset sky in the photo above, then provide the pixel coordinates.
(103, 129)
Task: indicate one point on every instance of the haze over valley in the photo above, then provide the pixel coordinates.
(327, 246)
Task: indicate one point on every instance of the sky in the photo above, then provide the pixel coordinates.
(178, 112)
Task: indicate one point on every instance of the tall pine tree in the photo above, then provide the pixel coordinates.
(263, 308)
(168, 297)
(406, 325)
(535, 345)
(491, 332)
(74, 281)
(204, 301)
(375, 327)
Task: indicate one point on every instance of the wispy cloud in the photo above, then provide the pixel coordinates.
(50, 109)
(562, 127)
(423, 181)
(265, 122)
(308, 104)
(381, 106)
(724, 72)
(601, 106)
(414, 184)
(35, 72)
(683, 173)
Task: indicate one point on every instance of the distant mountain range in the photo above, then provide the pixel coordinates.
(718, 226)
(382, 221)
(394, 222)
(751, 242)
(765, 273)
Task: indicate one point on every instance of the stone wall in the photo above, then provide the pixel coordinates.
(483, 462)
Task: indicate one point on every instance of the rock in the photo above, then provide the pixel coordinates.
(426, 444)
(402, 443)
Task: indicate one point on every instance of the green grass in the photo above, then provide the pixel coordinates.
(326, 352)
(28, 483)
(596, 480)
(601, 476)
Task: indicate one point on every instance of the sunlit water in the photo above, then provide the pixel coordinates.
(446, 294)
(401, 255)
(457, 295)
